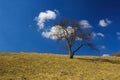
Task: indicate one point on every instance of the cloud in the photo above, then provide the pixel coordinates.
(54, 33)
(51, 33)
(85, 24)
(104, 22)
(46, 34)
(57, 32)
(100, 34)
(103, 47)
(70, 30)
(105, 55)
(78, 39)
(44, 16)
(97, 34)
(93, 34)
(118, 35)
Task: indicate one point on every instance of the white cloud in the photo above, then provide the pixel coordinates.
(46, 34)
(93, 34)
(44, 16)
(118, 37)
(97, 34)
(103, 47)
(105, 55)
(118, 33)
(100, 34)
(85, 24)
(70, 30)
(54, 33)
(78, 39)
(104, 22)
(50, 34)
(57, 32)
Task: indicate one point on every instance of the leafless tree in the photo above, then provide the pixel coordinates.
(73, 33)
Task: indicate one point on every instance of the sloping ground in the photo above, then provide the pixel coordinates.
(32, 66)
(117, 54)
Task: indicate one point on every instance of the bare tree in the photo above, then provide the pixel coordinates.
(73, 33)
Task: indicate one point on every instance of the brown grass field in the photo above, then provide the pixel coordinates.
(34, 66)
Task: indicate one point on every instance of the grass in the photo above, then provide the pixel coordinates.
(33, 66)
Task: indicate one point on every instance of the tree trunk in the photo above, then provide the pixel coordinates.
(70, 54)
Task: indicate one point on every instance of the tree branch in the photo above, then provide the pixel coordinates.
(78, 48)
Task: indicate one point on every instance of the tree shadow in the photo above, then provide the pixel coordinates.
(100, 60)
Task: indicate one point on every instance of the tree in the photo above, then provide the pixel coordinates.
(75, 34)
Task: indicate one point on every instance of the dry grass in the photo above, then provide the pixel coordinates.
(34, 66)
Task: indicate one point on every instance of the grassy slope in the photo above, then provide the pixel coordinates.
(57, 67)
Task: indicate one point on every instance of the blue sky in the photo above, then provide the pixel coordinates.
(19, 30)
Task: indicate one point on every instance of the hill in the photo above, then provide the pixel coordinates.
(117, 54)
(33, 66)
